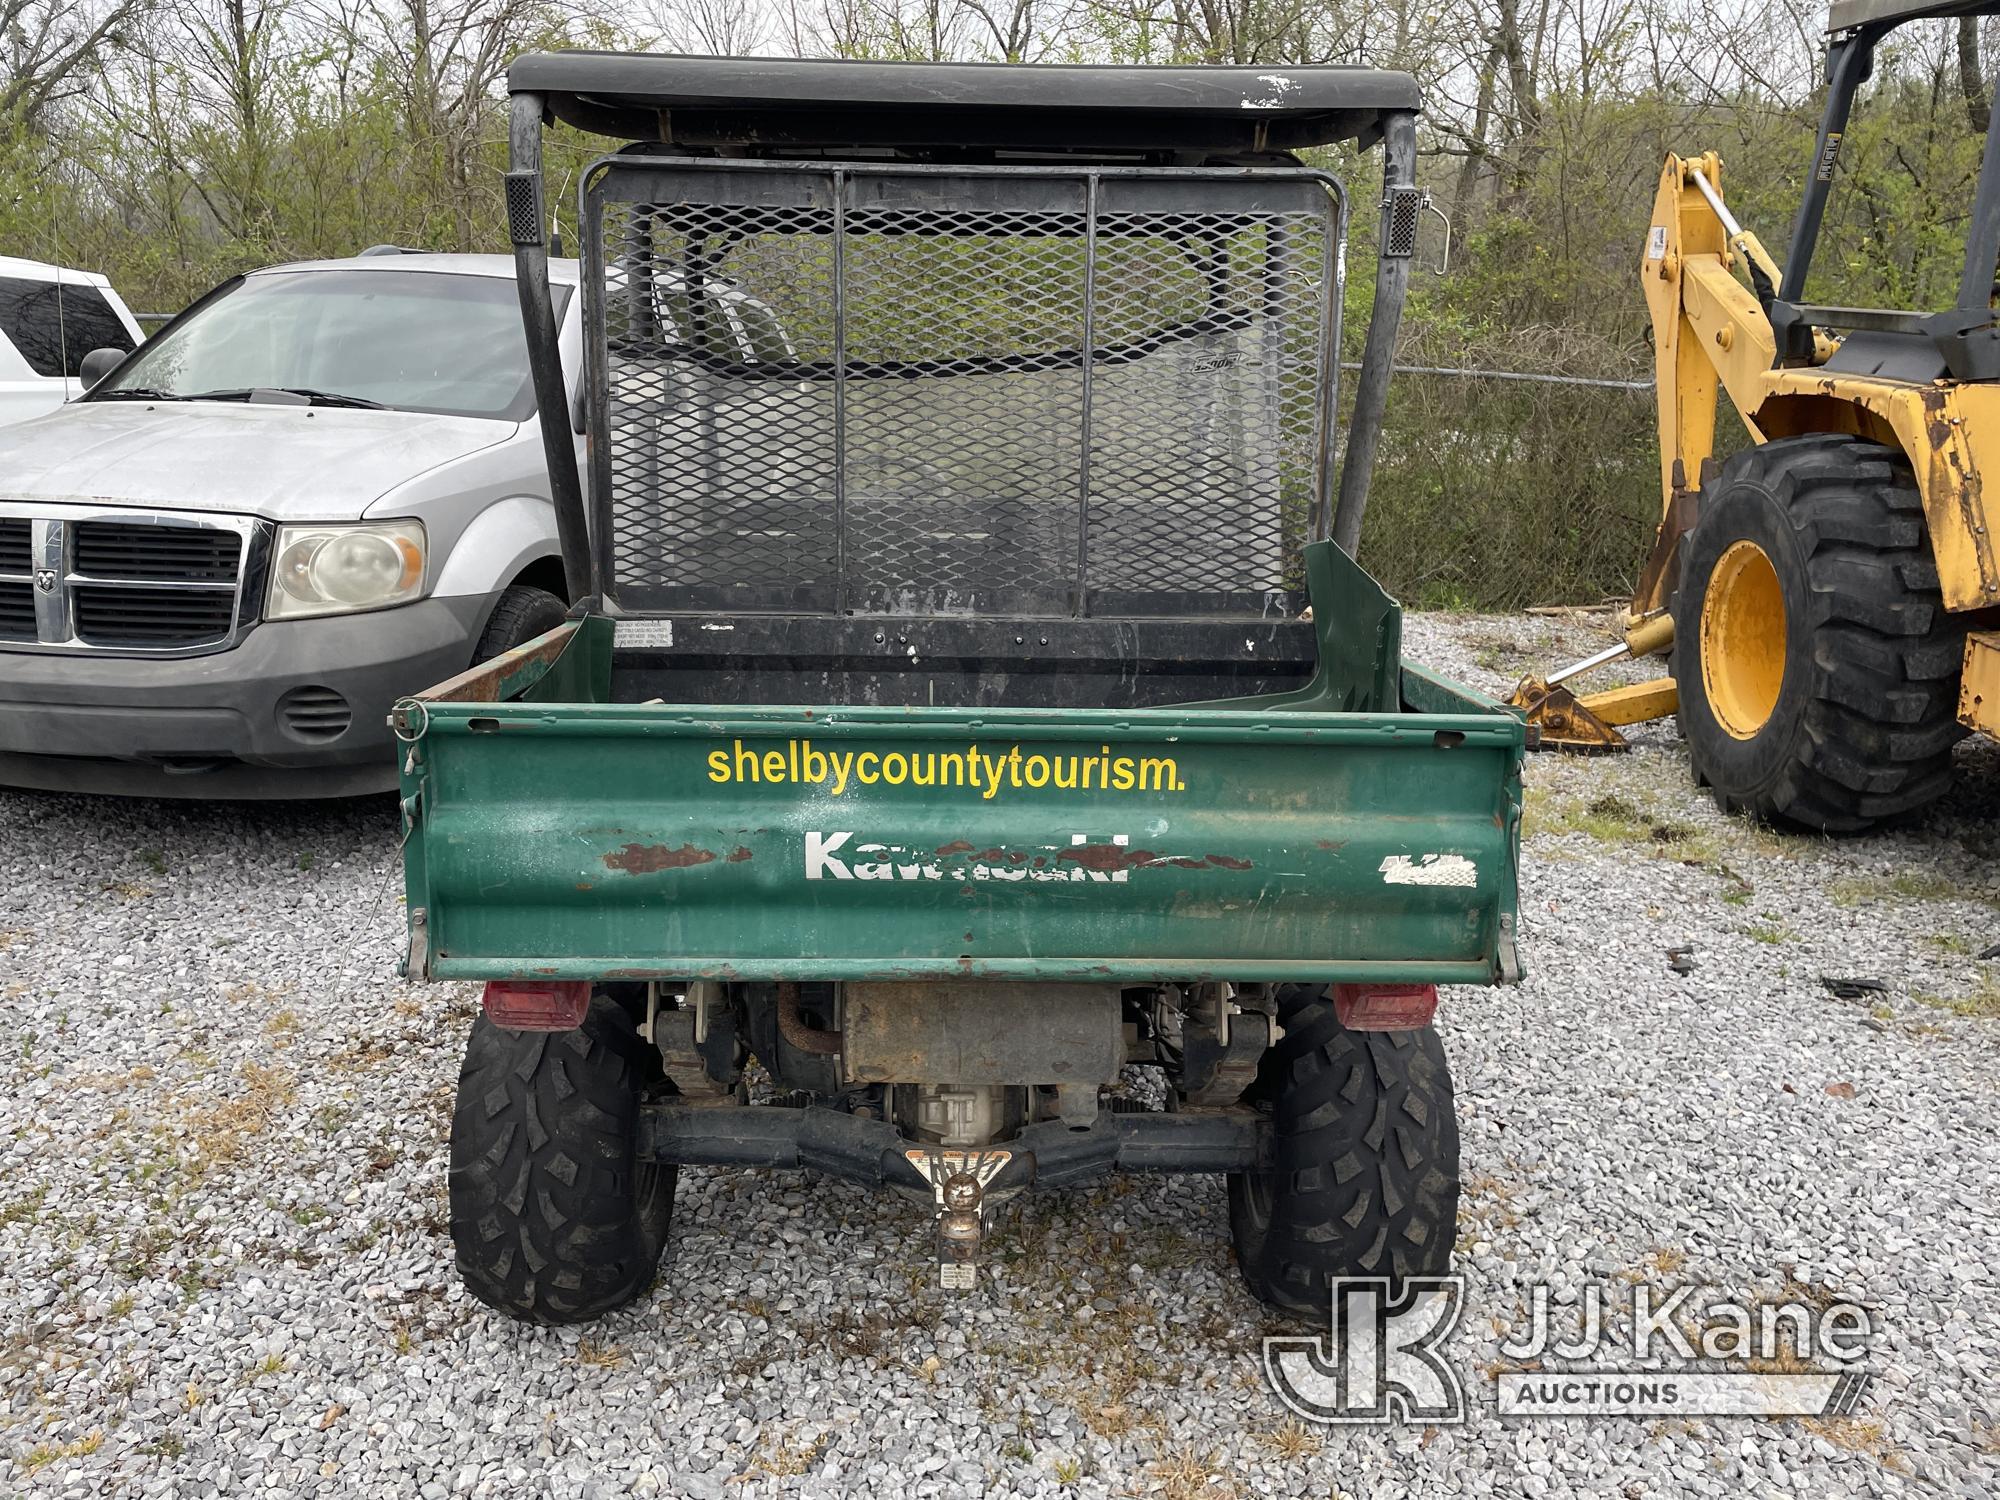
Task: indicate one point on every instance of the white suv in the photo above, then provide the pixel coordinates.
(319, 488)
(50, 318)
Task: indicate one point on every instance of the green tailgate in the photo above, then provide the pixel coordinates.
(603, 841)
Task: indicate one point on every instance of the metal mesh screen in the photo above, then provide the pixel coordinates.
(999, 391)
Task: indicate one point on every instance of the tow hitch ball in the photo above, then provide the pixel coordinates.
(958, 1182)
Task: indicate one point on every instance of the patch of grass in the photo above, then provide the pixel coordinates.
(152, 859)
(1293, 1441)
(283, 1028)
(1737, 895)
(240, 994)
(14, 937)
(1111, 1420)
(1981, 1004)
(1772, 933)
(1950, 942)
(26, 1208)
(784, 1459)
(306, 860)
(1606, 819)
(1905, 885)
(221, 1131)
(1491, 1201)
(1067, 1471)
(122, 1305)
(1188, 1475)
(43, 1454)
(270, 1364)
(599, 1356)
(1863, 1435)
(164, 1446)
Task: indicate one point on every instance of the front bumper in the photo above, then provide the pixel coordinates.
(222, 725)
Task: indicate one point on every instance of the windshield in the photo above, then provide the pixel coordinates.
(418, 340)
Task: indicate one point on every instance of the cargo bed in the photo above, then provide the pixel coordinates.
(1363, 826)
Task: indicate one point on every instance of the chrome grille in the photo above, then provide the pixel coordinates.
(1037, 391)
(17, 610)
(17, 593)
(194, 554)
(81, 579)
(15, 549)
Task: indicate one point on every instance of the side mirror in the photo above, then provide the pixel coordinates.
(99, 363)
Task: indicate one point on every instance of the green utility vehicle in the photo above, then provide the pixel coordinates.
(972, 706)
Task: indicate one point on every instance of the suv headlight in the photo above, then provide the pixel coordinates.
(327, 570)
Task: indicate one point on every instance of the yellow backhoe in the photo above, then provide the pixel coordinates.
(1829, 597)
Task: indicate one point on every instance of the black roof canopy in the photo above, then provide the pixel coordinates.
(760, 106)
(1849, 15)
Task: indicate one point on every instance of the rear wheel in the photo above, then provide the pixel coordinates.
(553, 1218)
(1364, 1176)
(1816, 665)
(523, 613)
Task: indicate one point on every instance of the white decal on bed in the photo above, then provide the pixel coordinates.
(1429, 869)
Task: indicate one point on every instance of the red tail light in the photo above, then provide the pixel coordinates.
(536, 1004)
(1385, 1007)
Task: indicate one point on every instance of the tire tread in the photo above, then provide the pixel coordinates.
(552, 1220)
(1881, 715)
(1365, 1159)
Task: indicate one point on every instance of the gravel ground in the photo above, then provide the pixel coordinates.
(224, 1269)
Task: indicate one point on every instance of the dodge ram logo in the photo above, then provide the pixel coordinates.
(45, 580)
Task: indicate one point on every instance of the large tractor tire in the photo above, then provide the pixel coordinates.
(1364, 1178)
(1817, 667)
(552, 1217)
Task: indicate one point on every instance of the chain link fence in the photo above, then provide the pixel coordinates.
(1501, 488)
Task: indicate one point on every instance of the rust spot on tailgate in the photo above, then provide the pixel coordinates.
(738, 855)
(956, 846)
(1105, 856)
(647, 859)
(1108, 857)
(490, 681)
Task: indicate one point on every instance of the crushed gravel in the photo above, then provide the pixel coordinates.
(224, 1268)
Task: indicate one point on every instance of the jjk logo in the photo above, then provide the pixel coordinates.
(1383, 1362)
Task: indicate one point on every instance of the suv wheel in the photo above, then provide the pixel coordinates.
(523, 613)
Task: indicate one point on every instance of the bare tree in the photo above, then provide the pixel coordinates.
(446, 57)
(50, 50)
(718, 28)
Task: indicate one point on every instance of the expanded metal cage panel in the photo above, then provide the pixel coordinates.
(1022, 391)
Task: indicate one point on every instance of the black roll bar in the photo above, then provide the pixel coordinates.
(1385, 319)
(527, 227)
